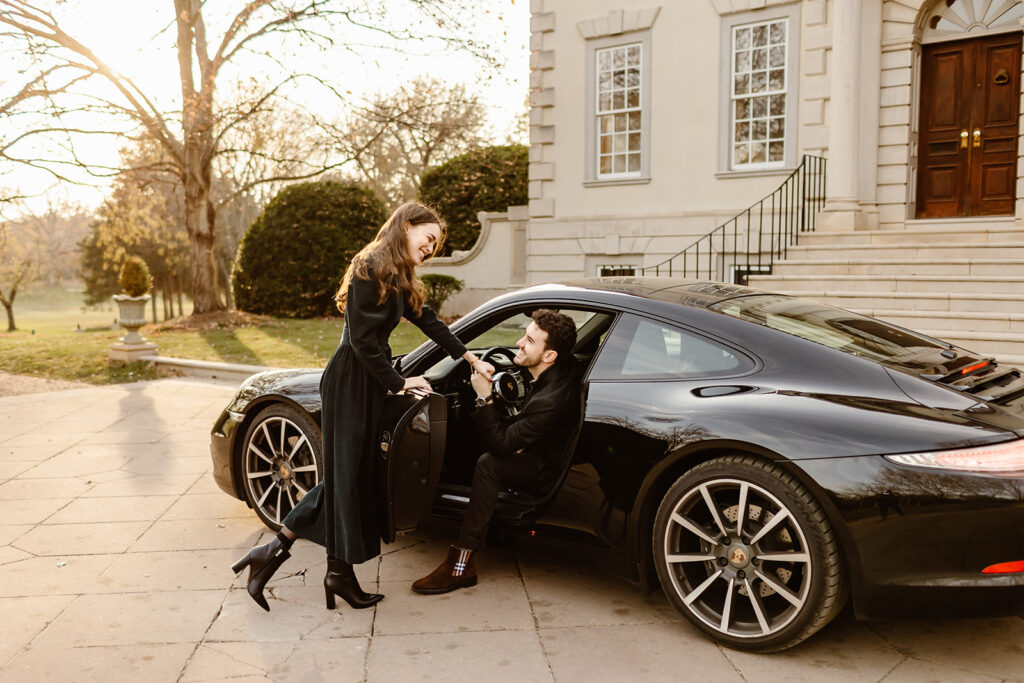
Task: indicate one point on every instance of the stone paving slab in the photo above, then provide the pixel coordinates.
(115, 548)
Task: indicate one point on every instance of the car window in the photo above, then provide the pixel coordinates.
(505, 333)
(849, 332)
(639, 348)
(508, 331)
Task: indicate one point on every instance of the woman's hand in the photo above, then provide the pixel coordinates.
(417, 385)
(483, 367)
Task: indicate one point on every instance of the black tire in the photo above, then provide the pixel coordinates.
(762, 586)
(280, 460)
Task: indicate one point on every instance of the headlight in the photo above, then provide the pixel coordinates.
(1001, 458)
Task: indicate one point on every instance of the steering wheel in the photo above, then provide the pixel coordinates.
(508, 389)
(492, 354)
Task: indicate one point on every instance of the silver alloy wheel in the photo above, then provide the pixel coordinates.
(737, 558)
(280, 467)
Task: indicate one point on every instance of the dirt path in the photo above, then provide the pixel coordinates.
(13, 385)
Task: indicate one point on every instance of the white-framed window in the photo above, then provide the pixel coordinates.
(619, 114)
(759, 80)
(759, 70)
(618, 126)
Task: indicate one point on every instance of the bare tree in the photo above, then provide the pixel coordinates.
(53, 233)
(17, 267)
(395, 137)
(58, 92)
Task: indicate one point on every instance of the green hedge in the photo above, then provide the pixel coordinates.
(438, 287)
(485, 179)
(293, 257)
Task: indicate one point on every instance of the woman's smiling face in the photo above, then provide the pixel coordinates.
(422, 241)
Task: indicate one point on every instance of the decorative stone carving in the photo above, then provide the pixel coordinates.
(971, 18)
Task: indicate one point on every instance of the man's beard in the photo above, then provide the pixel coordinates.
(525, 363)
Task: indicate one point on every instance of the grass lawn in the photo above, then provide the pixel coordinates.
(48, 343)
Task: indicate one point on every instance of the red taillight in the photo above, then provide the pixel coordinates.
(1005, 568)
(971, 368)
(1005, 458)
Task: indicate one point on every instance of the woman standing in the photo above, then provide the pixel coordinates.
(341, 512)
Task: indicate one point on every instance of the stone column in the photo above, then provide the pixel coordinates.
(842, 209)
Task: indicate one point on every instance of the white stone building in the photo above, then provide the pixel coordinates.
(652, 124)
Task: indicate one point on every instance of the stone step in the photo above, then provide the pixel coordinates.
(920, 232)
(949, 320)
(975, 250)
(995, 344)
(955, 285)
(864, 266)
(912, 301)
(1011, 359)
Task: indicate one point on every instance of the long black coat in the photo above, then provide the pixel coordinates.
(341, 512)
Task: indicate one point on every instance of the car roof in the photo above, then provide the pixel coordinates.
(687, 292)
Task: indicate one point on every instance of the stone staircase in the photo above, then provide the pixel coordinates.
(961, 280)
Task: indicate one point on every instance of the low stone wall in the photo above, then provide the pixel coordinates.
(495, 264)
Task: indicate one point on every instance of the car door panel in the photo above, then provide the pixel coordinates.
(411, 450)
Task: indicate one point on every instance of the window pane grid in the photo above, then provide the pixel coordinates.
(758, 93)
(618, 110)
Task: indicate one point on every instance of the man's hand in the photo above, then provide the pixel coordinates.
(481, 385)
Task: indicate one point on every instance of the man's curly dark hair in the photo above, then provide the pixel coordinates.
(560, 328)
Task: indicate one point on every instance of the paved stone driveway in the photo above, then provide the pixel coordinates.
(114, 552)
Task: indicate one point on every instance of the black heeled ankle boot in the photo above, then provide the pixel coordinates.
(341, 581)
(263, 561)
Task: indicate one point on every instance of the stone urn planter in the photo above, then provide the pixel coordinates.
(131, 315)
(132, 312)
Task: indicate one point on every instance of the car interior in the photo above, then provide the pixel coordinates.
(495, 339)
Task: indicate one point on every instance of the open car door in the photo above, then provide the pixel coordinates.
(411, 449)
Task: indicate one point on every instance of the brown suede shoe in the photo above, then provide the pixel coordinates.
(457, 571)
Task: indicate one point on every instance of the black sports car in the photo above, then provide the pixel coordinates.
(762, 457)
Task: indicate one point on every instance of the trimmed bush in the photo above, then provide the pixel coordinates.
(485, 179)
(292, 259)
(134, 278)
(439, 287)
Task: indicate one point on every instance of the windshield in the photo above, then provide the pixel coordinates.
(849, 332)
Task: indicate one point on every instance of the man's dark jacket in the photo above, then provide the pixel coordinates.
(548, 418)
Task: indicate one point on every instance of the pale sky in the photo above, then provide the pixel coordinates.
(130, 35)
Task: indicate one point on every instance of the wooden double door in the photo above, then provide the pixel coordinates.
(967, 152)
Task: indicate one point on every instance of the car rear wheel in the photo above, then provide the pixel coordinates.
(281, 461)
(747, 554)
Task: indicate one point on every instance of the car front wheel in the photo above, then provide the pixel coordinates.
(747, 554)
(281, 461)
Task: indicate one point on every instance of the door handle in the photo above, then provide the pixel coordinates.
(963, 139)
(977, 137)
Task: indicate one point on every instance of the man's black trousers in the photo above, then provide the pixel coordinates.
(493, 474)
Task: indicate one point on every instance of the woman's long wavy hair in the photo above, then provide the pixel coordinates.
(388, 253)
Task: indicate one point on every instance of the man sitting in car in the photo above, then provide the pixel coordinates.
(523, 452)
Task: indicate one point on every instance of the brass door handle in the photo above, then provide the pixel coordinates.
(977, 137)
(963, 139)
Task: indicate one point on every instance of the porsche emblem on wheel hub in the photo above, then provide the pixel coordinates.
(737, 556)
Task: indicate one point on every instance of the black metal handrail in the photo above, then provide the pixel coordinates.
(778, 219)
